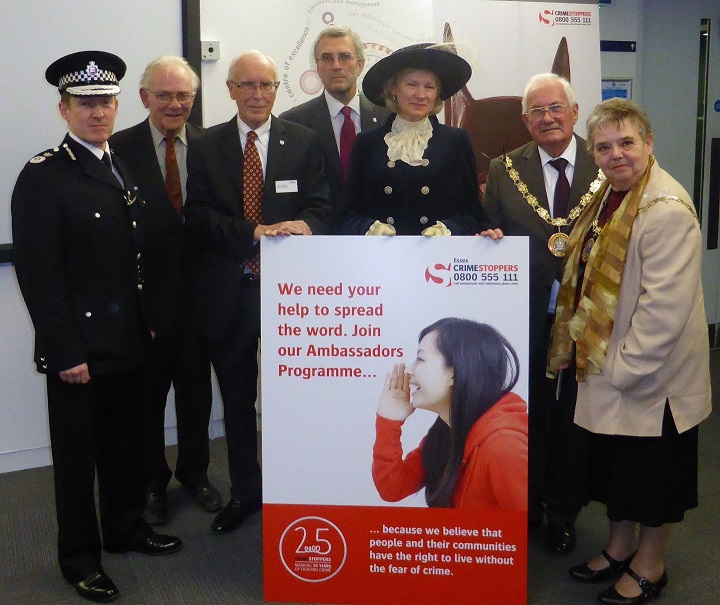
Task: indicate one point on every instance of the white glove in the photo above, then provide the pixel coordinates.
(437, 229)
(378, 228)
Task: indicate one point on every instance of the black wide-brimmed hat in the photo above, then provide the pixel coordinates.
(87, 73)
(452, 70)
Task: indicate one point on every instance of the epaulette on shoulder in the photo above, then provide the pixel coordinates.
(52, 153)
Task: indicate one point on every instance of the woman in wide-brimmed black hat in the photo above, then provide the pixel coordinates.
(413, 176)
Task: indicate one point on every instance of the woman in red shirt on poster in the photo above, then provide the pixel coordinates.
(475, 454)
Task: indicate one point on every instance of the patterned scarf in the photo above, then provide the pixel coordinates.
(590, 325)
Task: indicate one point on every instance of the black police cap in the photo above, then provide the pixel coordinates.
(87, 73)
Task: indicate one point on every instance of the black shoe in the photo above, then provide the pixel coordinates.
(154, 544)
(206, 495)
(561, 538)
(156, 508)
(649, 590)
(97, 587)
(234, 514)
(582, 573)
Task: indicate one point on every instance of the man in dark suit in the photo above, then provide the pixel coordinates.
(339, 56)
(252, 176)
(155, 152)
(78, 231)
(556, 446)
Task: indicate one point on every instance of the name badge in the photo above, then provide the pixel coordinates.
(286, 187)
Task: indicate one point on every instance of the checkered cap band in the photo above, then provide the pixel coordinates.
(92, 73)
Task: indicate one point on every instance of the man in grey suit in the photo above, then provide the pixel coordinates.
(252, 176)
(556, 448)
(155, 152)
(339, 55)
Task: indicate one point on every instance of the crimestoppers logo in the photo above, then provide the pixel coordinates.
(439, 274)
(562, 17)
(469, 272)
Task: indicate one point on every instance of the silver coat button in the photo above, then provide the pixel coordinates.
(88, 314)
(425, 190)
(388, 189)
(134, 225)
(423, 220)
(425, 162)
(97, 215)
(391, 164)
(390, 220)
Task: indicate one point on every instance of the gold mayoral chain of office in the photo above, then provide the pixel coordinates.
(557, 243)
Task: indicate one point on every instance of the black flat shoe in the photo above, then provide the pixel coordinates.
(154, 545)
(582, 573)
(156, 507)
(206, 495)
(234, 515)
(97, 587)
(561, 538)
(649, 590)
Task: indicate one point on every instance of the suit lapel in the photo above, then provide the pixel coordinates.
(370, 114)
(232, 154)
(276, 153)
(325, 133)
(147, 156)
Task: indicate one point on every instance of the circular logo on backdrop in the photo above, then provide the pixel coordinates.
(310, 82)
(313, 549)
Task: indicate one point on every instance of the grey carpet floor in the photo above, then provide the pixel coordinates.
(227, 570)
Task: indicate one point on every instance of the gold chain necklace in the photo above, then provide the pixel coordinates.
(557, 243)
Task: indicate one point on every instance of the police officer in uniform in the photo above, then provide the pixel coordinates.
(78, 249)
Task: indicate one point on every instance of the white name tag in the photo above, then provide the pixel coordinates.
(286, 187)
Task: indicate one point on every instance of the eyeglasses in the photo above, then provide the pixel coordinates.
(329, 58)
(538, 113)
(251, 87)
(165, 98)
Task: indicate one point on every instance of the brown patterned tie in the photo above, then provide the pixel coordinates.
(252, 194)
(172, 176)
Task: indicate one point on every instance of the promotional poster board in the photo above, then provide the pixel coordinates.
(337, 313)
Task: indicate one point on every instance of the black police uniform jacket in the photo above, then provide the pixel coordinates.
(78, 252)
(411, 198)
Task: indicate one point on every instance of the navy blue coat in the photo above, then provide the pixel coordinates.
(412, 198)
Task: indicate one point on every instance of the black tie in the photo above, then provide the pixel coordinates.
(107, 161)
(562, 189)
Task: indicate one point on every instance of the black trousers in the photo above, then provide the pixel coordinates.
(179, 358)
(568, 464)
(558, 449)
(234, 357)
(96, 427)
